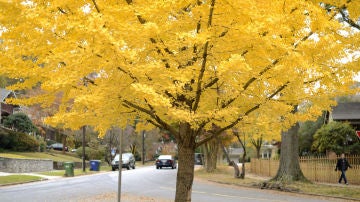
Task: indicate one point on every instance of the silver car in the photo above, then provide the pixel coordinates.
(128, 161)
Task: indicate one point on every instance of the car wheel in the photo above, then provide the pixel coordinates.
(128, 167)
(157, 167)
(113, 169)
(133, 167)
(160, 167)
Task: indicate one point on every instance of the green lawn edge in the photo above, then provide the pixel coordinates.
(18, 179)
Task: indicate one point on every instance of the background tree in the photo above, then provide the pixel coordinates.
(335, 136)
(257, 143)
(111, 141)
(306, 134)
(162, 62)
(3, 81)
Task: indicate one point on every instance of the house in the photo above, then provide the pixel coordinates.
(346, 112)
(7, 109)
(270, 149)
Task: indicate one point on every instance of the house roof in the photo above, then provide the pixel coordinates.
(346, 111)
(4, 93)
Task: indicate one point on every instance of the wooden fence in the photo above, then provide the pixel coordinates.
(316, 169)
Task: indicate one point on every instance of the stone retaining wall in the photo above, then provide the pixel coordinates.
(25, 165)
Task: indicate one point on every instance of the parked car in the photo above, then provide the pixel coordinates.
(165, 161)
(57, 146)
(128, 161)
(199, 159)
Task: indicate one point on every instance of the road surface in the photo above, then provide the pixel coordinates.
(141, 184)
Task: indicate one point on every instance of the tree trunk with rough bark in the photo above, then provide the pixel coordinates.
(289, 168)
(211, 151)
(242, 175)
(185, 174)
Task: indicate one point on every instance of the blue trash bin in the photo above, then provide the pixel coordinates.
(95, 165)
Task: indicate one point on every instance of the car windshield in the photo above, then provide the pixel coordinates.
(123, 156)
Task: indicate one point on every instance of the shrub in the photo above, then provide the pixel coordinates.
(20, 122)
(90, 153)
(16, 141)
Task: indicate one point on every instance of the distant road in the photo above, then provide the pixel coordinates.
(143, 183)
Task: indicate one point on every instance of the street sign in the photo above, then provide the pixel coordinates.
(358, 133)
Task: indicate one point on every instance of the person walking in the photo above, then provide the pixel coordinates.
(342, 165)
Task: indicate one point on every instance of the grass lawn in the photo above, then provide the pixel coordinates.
(12, 179)
(52, 155)
(225, 175)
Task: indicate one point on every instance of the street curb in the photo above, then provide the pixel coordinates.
(304, 193)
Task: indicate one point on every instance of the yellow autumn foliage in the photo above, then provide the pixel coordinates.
(184, 61)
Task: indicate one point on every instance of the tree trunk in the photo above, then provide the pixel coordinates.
(242, 143)
(226, 154)
(185, 174)
(257, 143)
(64, 143)
(289, 168)
(242, 175)
(211, 151)
(257, 152)
(236, 169)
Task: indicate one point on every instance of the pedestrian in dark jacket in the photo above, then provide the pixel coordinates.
(342, 165)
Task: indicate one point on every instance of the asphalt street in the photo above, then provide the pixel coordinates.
(142, 184)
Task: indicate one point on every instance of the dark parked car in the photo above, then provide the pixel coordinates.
(128, 161)
(165, 161)
(57, 146)
(199, 159)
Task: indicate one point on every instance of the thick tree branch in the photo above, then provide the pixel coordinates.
(235, 122)
(201, 75)
(204, 61)
(128, 73)
(153, 123)
(153, 115)
(348, 20)
(96, 6)
(211, 83)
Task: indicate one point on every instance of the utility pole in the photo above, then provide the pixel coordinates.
(0, 111)
(120, 165)
(83, 148)
(143, 147)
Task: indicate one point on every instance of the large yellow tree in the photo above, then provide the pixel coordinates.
(181, 65)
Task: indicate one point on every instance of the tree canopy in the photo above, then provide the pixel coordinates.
(196, 62)
(183, 66)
